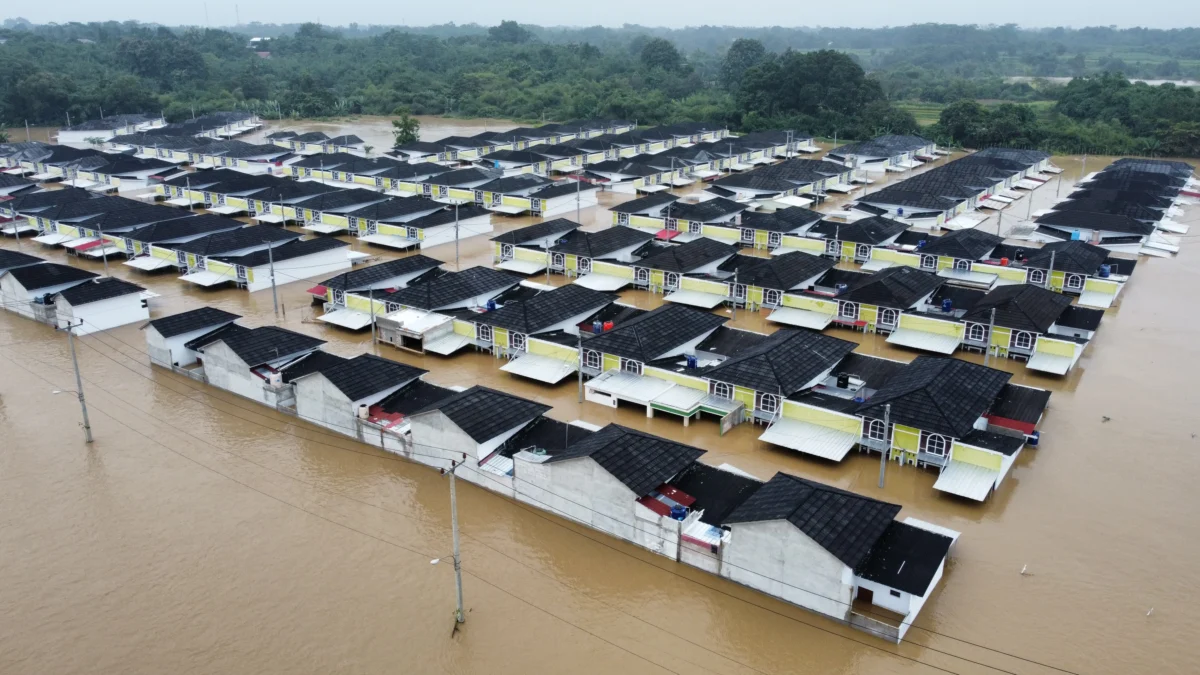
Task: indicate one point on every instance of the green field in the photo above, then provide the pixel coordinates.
(926, 113)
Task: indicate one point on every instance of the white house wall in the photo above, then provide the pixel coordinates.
(467, 228)
(224, 369)
(104, 314)
(778, 559)
(300, 269)
(432, 432)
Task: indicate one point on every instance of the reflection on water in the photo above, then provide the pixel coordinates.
(202, 533)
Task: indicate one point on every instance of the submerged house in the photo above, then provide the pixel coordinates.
(646, 212)
(349, 296)
(191, 256)
(525, 250)
(1031, 323)
(249, 361)
(296, 260)
(578, 252)
(29, 290)
(11, 260)
(855, 241)
(767, 283)
(888, 152)
(676, 268)
(101, 303)
(1077, 267)
(768, 229)
(167, 337)
(421, 317)
(140, 244)
(338, 393)
(889, 301)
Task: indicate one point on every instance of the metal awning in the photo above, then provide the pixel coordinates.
(83, 184)
(1050, 363)
(967, 480)
(874, 265)
(541, 368)
(919, 339)
(1153, 252)
(1171, 226)
(417, 322)
(653, 188)
(347, 318)
(696, 299)
(895, 169)
(793, 200)
(226, 210)
(182, 201)
(389, 240)
(18, 226)
(269, 218)
(993, 204)
(99, 251)
(17, 171)
(148, 295)
(1163, 242)
(705, 173)
(205, 278)
(447, 344)
(809, 438)
(149, 263)
(522, 266)
(1012, 195)
(680, 182)
(322, 228)
(203, 165)
(630, 386)
(804, 318)
(39, 177)
(102, 187)
(970, 277)
(964, 222)
(738, 166)
(80, 242)
(1027, 184)
(603, 282)
(841, 187)
(999, 197)
(52, 238)
(1052, 169)
(357, 257)
(1097, 299)
(510, 210)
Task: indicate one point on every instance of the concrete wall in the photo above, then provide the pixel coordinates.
(300, 269)
(171, 351)
(780, 560)
(14, 297)
(104, 314)
(321, 403)
(432, 432)
(225, 370)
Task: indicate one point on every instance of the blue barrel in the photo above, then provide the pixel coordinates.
(947, 305)
(1075, 235)
(491, 305)
(1105, 270)
(597, 327)
(678, 512)
(840, 288)
(921, 244)
(1034, 438)
(692, 362)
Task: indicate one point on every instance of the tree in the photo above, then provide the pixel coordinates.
(94, 141)
(660, 53)
(367, 150)
(510, 32)
(743, 55)
(407, 129)
(3, 134)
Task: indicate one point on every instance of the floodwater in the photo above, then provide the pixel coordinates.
(201, 533)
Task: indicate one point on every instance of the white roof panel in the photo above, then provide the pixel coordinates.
(100, 251)
(876, 265)
(19, 226)
(322, 228)
(804, 318)
(696, 299)
(968, 277)
(967, 480)
(269, 218)
(347, 318)
(205, 278)
(389, 240)
(653, 188)
(447, 344)
(631, 387)
(148, 263)
(809, 438)
(181, 201)
(225, 210)
(541, 368)
(1167, 225)
(1027, 184)
(1050, 363)
(521, 266)
(602, 282)
(81, 241)
(356, 257)
(793, 200)
(52, 239)
(841, 187)
(1097, 299)
(511, 210)
(930, 342)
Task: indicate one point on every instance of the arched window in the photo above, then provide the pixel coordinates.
(670, 280)
(863, 251)
(888, 317)
(483, 332)
(1037, 276)
(1023, 340)
(772, 297)
(934, 444)
(631, 366)
(928, 262)
(961, 264)
(876, 430)
(976, 332)
(591, 359)
(1074, 281)
(847, 310)
(722, 390)
(832, 247)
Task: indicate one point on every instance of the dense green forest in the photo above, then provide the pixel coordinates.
(853, 83)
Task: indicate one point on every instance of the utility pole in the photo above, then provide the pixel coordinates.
(27, 139)
(459, 617)
(371, 297)
(274, 293)
(87, 427)
(578, 188)
(735, 293)
(456, 238)
(188, 183)
(103, 253)
(887, 442)
(1050, 272)
(987, 350)
(999, 220)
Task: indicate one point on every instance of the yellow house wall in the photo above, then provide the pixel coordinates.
(718, 232)
(552, 350)
(927, 325)
(895, 257)
(1047, 345)
(969, 454)
(677, 378)
(465, 328)
(704, 286)
(804, 243)
(610, 362)
(811, 304)
(821, 417)
(613, 269)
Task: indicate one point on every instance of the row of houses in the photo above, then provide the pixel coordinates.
(218, 125)
(63, 295)
(831, 551)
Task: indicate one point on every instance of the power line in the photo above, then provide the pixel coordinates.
(494, 479)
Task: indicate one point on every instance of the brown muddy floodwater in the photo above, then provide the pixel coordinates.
(201, 533)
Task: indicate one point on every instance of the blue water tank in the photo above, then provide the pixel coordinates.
(678, 512)
(859, 399)
(1034, 438)
(921, 244)
(840, 288)
(947, 305)
(597, 327)
(1074, 235)
(900, 211)
(1105, 270)
(692, 362)
(491, 305)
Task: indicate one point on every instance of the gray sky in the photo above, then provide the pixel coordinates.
(857, 13)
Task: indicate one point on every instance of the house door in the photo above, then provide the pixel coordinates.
(866, 595)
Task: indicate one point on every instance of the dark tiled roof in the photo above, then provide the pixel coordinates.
(549, 228)
(315, 362)
(642, 204)
(870, 369)
(1002, 443)
(196, 319)
(1081, 318)
(29, 202)
(844, 523)
(178, 228)
(267, 343)
(367, 374)
(970, 244)
(1020, 306)
(782, 220)
(641, 461)
(882, 146)
(517, 183)
(602, 243)
(717, 491)
(545, 310)
(292, 249)
(462, 177)
(898, 286)
(414, 396)
(235, 240)
(397, 209)
(706, 211)
(785, 271)
(10, 259)
(214, 335)
(960, 297)
(453, 287)
(561, 188)
(447, 216)
(650, 335)
(34, 277)
(342, 199)
(688, 257)
(873, 230)
(1095, 221)
(1069, 256)
(546, 434)
(1114, 207)
(1024, 404)
(289, 190)
(484, 414)
(784, 363)
(913, 199)
(940, 395)
(365, 277)
(905, 558)
(100, 288)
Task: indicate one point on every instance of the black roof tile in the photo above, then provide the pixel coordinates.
(784, 272)
(1095, 221)
(969, 244)
(548, 228)
(214, 335)
(34, 277)
(365, 277)
(367, 374)
(939, 395)
(10, 259)
(639, 460)
(453, 287)
(1021, 307)
(97, 289)
(781, 220)
(706, 211)
(873, 230)
(193, 320)
(784, 363)
(484, 413)
(647, 203)
(1069, 256)
(545, 310)
(905, 558)
(187, 226)
(899, 287)
(648, 336)
(235, 240)
(844, 523)
(717, 491)
(688, 257)
(1023, 404)
(602, 243)
(267, 343)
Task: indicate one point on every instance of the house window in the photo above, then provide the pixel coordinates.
(928, 262)
(241, 272)
(964, 265)
(316, 216)
(893, 592)
(631, 366)
(506, 251)
(739, 291)
(672, 224)
(747, 235)
(832, 247)
(722, 390)
(181, 258)
(774, 239)
(1037, 276)
(1023, 340)
(497, 198)
(934, 444)
(976, 332)
(695, 228)
(201, 263)
(1074, 282)
(863, 251)
(591, 359)
(877, 430)
(353, 223)
(516, 341)
(888, 317)
(379, 181)
(558, 260)
(307, 173)
(772, 297)
(622, 218)
(339, 297)
(641, 275)
(670, 280)
(847, 310)
(483, 332)
(584, 265)
(766, 403)
(411, 233)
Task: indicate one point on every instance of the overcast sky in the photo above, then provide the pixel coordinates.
(858, 13)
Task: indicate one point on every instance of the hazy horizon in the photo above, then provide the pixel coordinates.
(755, 14)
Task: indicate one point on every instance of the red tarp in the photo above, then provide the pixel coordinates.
(317, 290)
